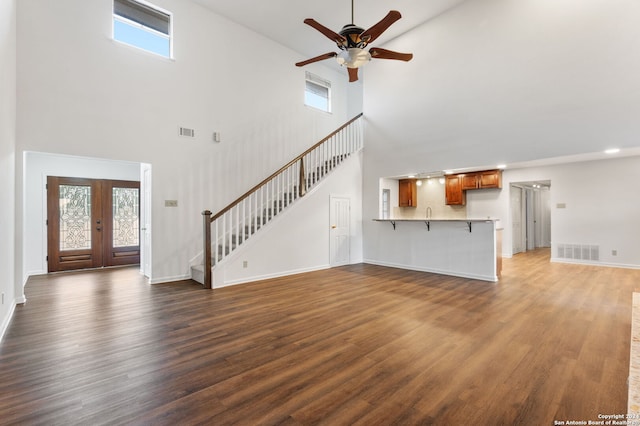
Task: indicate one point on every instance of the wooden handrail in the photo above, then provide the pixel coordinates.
(281, 169)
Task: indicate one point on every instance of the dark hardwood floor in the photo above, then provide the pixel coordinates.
(359, 344)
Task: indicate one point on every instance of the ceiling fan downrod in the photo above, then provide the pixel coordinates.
(352, 14)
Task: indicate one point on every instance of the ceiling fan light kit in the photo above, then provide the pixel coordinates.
(353, 57)
(352, 41)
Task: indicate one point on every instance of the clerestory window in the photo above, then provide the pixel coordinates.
(317, 92)
(143, 25)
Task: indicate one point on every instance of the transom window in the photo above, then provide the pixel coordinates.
(143, 25)
(317, 92)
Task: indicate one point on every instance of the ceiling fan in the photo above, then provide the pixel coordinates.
(352, 41)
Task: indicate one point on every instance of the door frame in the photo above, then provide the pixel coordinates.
(535, 215)
(145, 220)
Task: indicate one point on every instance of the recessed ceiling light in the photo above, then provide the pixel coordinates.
(612, 151)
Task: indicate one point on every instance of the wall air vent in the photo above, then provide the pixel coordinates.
(190, 133)
(578, 252)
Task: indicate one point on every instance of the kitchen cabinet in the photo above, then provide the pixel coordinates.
(457, 185)
(407, 193)
(468, 181)
(481, 180)
(490, 179)
(454, 195)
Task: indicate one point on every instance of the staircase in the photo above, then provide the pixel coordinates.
(228, 229)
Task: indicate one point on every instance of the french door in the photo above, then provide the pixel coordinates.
(92, 223)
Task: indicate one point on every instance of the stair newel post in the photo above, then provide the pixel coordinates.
(302, 186)
(206, 215)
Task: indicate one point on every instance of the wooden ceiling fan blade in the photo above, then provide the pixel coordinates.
(326, 31)
(374, 32)
(379, 53)
(317, 58)
(353, 74)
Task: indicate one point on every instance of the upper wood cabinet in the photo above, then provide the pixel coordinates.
(468, 181)
(456, 185)
(482, 180)
(490, 179)
(407, 193)
(454, 195)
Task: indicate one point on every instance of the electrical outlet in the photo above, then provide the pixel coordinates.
(245, 264)
(3, 298)
(614, 252)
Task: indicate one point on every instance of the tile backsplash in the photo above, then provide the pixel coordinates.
(429, 194)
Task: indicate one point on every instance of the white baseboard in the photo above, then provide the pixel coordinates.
(7, 320)
(591, 263)
(164, 280)
(489, 278)
(273, 275)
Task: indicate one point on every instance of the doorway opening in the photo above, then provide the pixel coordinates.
(530, 215)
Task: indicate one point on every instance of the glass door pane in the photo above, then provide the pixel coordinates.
(75, 217)
(126, 224)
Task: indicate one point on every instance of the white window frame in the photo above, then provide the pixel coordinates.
(320, 82)
(136, 24)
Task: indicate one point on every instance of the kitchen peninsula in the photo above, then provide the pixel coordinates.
(468, 248)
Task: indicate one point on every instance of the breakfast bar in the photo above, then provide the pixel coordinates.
(469, 248)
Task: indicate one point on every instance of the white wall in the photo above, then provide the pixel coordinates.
(497, 81)
(392, 186)
(602, 206)
(37, 167)
(298, 239)
(7, 159)
(83, 94)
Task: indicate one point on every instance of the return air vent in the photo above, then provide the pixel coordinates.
(578, 251)
(190, 133)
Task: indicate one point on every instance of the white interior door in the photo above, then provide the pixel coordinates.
(516, 220)
(530, 219)
(340, 218)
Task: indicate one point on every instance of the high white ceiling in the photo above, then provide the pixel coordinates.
(282, 20)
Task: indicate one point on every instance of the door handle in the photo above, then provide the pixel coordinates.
(333, 226)
(98, 228)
